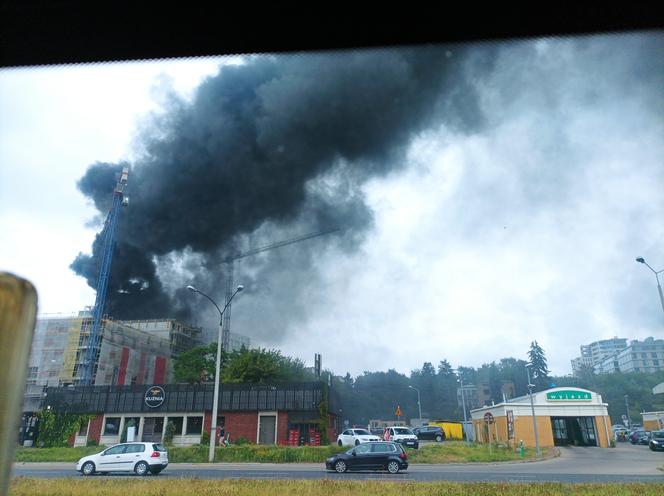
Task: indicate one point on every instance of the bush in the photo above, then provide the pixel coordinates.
(55, 428)
(205, 439)
(241, 440)
(170, 432)
(92, 442)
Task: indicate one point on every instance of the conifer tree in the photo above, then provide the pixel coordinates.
(538, 371)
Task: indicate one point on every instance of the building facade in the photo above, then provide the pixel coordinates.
(126, 355)
(639, 356)
(181, 337)
(279, 413)
(564, 416)
(476, 396)
(653, 421)
(596, 352)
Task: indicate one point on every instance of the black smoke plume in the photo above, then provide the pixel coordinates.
(278, 144)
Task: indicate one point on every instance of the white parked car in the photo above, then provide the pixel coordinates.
(140, 458)
(353, 437)
(402, 435)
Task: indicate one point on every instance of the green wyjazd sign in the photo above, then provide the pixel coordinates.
(568, 395)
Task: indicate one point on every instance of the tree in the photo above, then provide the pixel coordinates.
(514, 370)
(198, 364)
(495, 383)
(539, 371)
(262, 365)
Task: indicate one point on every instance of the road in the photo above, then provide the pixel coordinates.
(622, 464)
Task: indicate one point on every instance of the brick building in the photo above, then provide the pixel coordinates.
(279, 413)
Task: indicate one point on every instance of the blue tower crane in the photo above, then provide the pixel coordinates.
(87, 366)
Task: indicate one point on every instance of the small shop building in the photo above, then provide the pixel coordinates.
(280, 413)
(564, 416)
(653, 421)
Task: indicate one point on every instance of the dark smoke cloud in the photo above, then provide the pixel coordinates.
(276, 145)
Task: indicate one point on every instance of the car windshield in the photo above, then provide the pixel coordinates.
(507, 192)
(658, 435)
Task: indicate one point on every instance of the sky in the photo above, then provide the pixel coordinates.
(496, 196)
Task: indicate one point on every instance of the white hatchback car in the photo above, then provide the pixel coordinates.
(353, 437)
(140, 458)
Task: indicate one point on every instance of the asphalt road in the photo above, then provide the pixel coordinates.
(624, 463)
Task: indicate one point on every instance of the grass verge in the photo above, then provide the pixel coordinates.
(22, 486)
(448, 452)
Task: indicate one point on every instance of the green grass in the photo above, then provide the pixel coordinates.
(54, 454)
(448, 452)
(461, 452)
(22, 486)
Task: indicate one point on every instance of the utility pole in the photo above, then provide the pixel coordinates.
(629, 419)
(532, 408)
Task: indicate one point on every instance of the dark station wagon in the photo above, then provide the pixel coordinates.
(374, 455)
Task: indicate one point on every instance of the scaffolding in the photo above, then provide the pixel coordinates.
(181, 337)
(126, 355)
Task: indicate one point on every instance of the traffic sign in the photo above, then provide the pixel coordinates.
(488, 418)
(398, 412)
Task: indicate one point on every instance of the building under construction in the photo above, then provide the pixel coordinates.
(126, 355)
(181, 337)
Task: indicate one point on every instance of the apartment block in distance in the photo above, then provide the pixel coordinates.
(594, 353)
(639, 356)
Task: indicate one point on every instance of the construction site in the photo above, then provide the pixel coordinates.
(90, 348)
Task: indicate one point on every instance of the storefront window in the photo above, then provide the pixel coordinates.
(112, 426)
(177, 422)
(194, 425)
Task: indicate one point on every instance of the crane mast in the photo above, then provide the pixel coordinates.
(86, 369)
(230, 262)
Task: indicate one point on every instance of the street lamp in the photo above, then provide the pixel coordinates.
(215, 401)
(657, 273)
(419, 406)
(532, 408)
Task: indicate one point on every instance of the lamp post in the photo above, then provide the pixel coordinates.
(657, 273)
(629, 419)
(215, 401)
(419, 405)
(532, 408)
(465, 420)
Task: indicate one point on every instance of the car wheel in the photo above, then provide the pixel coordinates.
(357, 442)
(88, 468)
(393, 467)
(340, 466)
(141, 468)
(439, 439)
(340, 443)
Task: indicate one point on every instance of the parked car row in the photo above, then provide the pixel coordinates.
(638, 435)
(397, 434)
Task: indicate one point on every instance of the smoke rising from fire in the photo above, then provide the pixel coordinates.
(279, 144)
